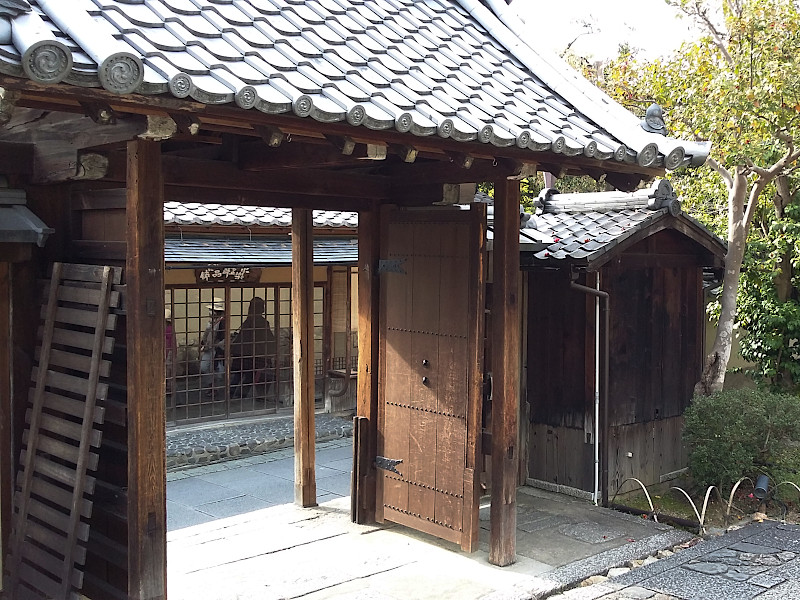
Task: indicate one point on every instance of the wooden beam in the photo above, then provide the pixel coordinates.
(257, 156)
(272, 136)
(505, 372)
(408, 176)
(147, 515)
(223, 175)
(364, 489)
(99, 112)
(58, 137)
(6, 414)
(305, 486)
(344, 144)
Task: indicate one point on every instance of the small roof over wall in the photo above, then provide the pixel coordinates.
(588, 229)
(186, 253)
(195, 213)
(250, 242)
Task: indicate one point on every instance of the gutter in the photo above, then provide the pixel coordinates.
(507, 28)
(602, 438)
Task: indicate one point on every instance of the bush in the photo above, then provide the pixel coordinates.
(745, 432)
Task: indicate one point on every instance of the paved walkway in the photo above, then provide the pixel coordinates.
(235, 534)
(760, 560)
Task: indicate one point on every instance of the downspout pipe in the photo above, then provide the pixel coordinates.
(604, 297)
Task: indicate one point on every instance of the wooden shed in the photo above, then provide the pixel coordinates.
(612, 367)
(383, 107)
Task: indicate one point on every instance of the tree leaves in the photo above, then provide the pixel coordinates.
(738, 87)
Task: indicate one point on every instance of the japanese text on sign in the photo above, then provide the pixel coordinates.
(225, 274)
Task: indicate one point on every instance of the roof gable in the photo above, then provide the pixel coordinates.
(590, 229)
(445, 68)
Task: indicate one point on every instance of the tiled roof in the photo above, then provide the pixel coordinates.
(193, 213)
(189, 252)
(582, 237)
(448, 68)
(586, 226)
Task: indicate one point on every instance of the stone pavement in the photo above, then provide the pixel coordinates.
(235, 534)
(760, 560)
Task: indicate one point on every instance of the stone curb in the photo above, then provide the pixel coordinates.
(219, 449)
(569, 576)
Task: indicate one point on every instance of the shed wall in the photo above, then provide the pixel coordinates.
(656, 351)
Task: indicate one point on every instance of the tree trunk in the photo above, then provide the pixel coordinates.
(713, 376)
(783, 277)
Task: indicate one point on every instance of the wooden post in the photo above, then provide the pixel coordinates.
(364, 485)
(505, 372)
(305, 485)
(144, 272)
(6, 412)
(327, 337)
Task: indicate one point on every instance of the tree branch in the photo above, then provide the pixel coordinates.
(723, 172)
(700, 15)
(765, 176)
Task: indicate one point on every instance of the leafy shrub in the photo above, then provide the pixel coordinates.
(744, 432)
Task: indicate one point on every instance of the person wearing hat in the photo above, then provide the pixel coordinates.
(170, 348)
(250, 347)
(212, 345)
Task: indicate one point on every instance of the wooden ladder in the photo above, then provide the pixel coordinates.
(53, 499)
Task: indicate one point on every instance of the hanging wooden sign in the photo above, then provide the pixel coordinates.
(228, 274)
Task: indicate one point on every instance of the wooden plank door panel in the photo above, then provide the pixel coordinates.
(428, 408)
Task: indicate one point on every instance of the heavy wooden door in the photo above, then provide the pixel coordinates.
(431, 362)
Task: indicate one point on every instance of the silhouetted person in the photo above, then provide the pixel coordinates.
(251, 347)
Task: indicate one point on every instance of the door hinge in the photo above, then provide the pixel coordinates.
(388, 464)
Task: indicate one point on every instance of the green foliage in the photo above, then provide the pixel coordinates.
(529, 189)
(740, 89)
(738, 433)
(771, 325)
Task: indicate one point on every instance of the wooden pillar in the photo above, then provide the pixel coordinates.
(365, 435)
(505, 372)
(144, 273)
(305, 485)
(327, 336)
(6, 412)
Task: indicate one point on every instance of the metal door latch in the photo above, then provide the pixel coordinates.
(388, 464)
